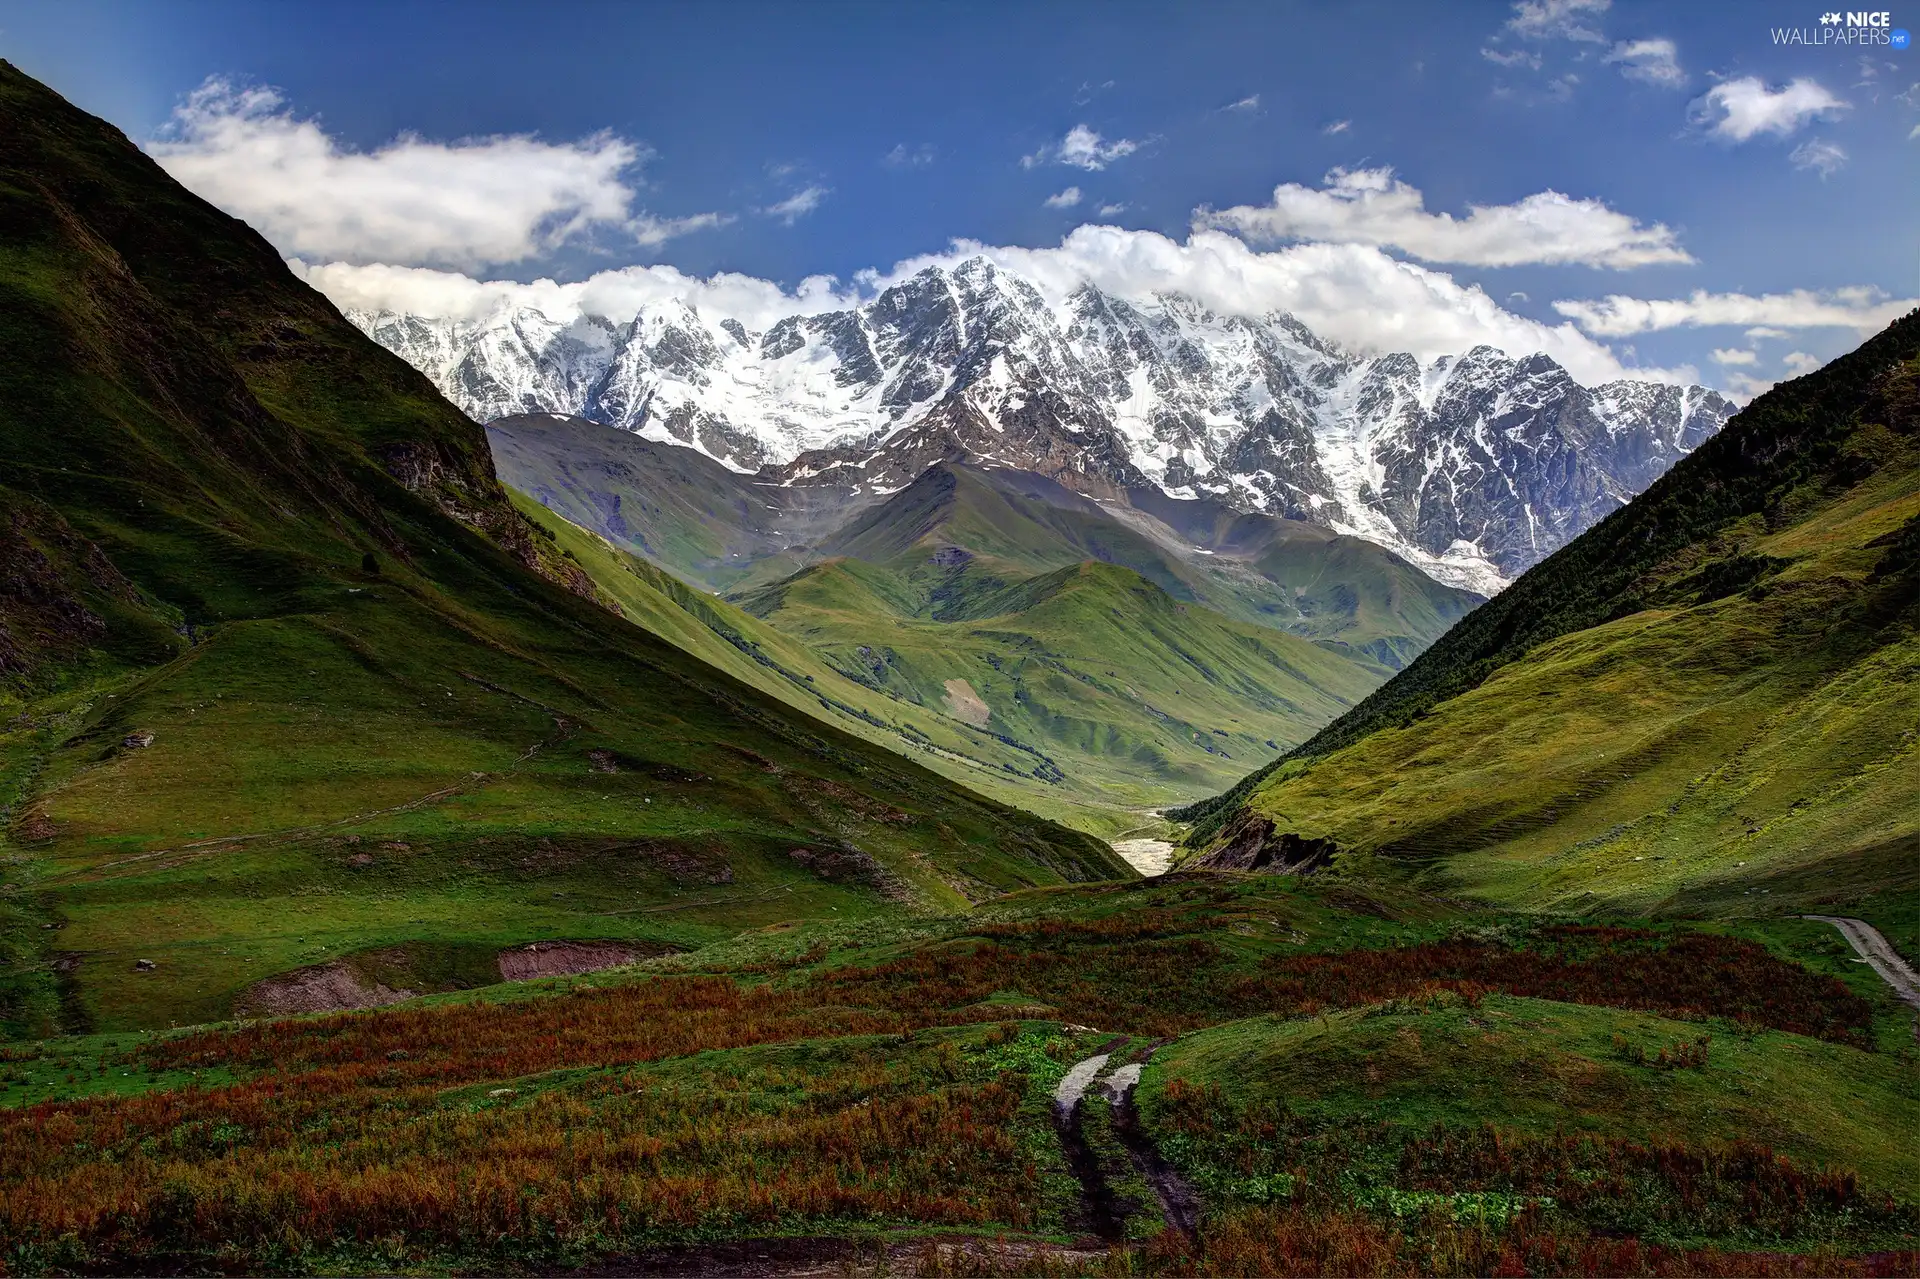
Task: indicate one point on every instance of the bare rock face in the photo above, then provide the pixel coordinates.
(560, 958)
(322, 988)
(1473, 466)
(1250, 843)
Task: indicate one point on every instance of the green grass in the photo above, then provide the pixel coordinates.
(1743, 752)
(1541, 1067)
(1122, 694)
(268, 543)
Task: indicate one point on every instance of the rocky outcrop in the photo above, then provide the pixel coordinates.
(1250, 843)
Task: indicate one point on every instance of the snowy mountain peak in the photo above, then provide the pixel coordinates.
(1473, 467)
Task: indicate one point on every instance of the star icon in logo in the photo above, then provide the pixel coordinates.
(1829, 19)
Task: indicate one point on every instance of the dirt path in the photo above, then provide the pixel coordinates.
(1100, 1206)
(1106, 1218)
(1873, 947)
(1179, 1204)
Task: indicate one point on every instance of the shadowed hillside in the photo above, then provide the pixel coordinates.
(1705, 703)
(289, 679)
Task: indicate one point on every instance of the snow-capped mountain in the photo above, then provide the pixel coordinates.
(1474, 467)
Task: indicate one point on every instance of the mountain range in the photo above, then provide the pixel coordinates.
(1084, 658)
(1473, 467)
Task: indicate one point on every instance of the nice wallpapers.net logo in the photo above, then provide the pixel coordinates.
(1852, 29)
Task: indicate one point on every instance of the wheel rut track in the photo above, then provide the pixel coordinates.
(1104, 1211)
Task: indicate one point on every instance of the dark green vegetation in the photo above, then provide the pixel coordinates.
(1708, 703)
(1102, 657)
(873, 1080)
(287, 678)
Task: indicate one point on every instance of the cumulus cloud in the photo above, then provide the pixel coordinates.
(1112, 210)
(1799, 363)
(1371, 206)
(1082, 148)
(622, 293)
(1655, 62)
(475, 202)
(1557, 20)
(1762, 334)
(1734, 355)
(1865, 310)
(903, 156)
(1741, 110)
(797, 205)
(1354, 295)
(1064, 199)
(1823, 157)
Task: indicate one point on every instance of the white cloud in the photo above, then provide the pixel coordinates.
(905, 157)
(1083, 149)
(1512, 58)
(1354, 295)
(1557, 20)
(1763, 334)
(1741, 388)
(1249, 103)
(1112, 210)
(1734, 355)
(468, 203)
(797, 205)
(1743, 109)
(1371, 206)
(754, 302)
(1654, 62)
(1819, 155)
(1065, 199)
(1865, 310)
(1799, 363)
(1337, 127)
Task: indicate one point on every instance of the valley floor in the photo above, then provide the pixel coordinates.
(1195, 1074)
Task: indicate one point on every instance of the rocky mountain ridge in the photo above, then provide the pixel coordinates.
(1473, 467)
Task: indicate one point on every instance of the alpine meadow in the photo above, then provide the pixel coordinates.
(1321, 678)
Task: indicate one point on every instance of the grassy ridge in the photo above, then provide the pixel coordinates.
(1125, 695)
(1706, 703)
(748, 648)
(287, 677)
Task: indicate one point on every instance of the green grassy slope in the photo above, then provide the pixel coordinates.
(676, 507)
(381, 708)
(1128, 696)
(735, 641)
(1707, 703)
(1541, 1067)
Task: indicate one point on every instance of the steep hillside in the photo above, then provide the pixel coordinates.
(1708, 702)
(288, 681)
(980, 756)
(1126, 695)
(728, 531)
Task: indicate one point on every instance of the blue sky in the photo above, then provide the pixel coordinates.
(783, 141)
